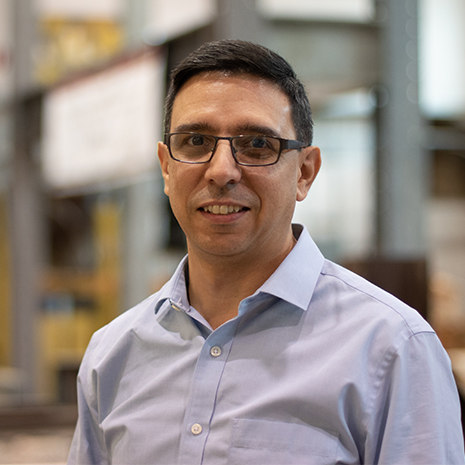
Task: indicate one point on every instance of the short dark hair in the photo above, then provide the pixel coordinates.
(237, 57)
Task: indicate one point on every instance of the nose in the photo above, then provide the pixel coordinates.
(222, 169)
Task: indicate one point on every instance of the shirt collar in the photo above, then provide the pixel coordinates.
(175, 289)
(296, 277)
(294, 280)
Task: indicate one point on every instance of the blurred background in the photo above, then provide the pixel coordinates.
(85, 230)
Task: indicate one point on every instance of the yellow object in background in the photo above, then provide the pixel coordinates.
(79, 302)
(69, 46)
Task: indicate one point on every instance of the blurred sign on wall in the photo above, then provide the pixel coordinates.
(326, 10)
(104, 127)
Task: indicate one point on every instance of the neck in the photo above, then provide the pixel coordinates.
(217, 285)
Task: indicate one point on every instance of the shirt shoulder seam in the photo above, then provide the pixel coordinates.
(383, 302)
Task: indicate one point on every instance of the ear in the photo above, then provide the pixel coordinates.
(310, 163)
(164, 157)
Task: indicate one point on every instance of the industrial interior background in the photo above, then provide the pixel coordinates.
(85, 230)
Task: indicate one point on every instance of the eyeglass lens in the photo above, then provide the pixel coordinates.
(198, 148)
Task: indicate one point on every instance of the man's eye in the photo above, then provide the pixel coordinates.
(196, 139)
(253, 143)
(258, 143)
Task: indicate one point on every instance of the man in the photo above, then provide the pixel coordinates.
(258, 350)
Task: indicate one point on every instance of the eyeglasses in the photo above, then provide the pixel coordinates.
(253, 150)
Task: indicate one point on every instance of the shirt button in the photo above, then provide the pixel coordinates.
(215, 351)
(196, 429)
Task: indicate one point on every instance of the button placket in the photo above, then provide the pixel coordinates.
(202, 398)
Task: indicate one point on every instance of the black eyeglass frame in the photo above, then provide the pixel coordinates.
(284, 144)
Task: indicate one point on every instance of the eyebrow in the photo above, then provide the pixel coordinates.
(246, 128)
(257, 129)
(193, 127)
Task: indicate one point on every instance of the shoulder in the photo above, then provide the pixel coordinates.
(117, 336)
(359, 298)
(386, 334)
(131, 318)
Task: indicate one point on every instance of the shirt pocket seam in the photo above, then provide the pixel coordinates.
(278, 436)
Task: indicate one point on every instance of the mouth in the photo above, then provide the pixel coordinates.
(223, 209)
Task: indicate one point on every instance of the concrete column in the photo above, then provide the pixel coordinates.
(403, 167)
(25, 203)
(238, 19)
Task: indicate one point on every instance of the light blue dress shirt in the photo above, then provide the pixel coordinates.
(319, 367)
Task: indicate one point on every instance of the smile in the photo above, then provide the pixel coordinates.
(222, 209)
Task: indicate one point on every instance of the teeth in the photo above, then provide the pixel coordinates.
(222, 209)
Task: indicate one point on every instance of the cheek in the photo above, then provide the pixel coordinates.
(281, 186)
(178, 190)
(278, 197)
(172, 180)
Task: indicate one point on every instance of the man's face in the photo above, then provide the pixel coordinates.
(228, 210)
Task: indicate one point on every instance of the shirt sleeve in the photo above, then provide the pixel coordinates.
(416, 411)
(88, 445)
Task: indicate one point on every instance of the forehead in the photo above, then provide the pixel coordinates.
(228, 102)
